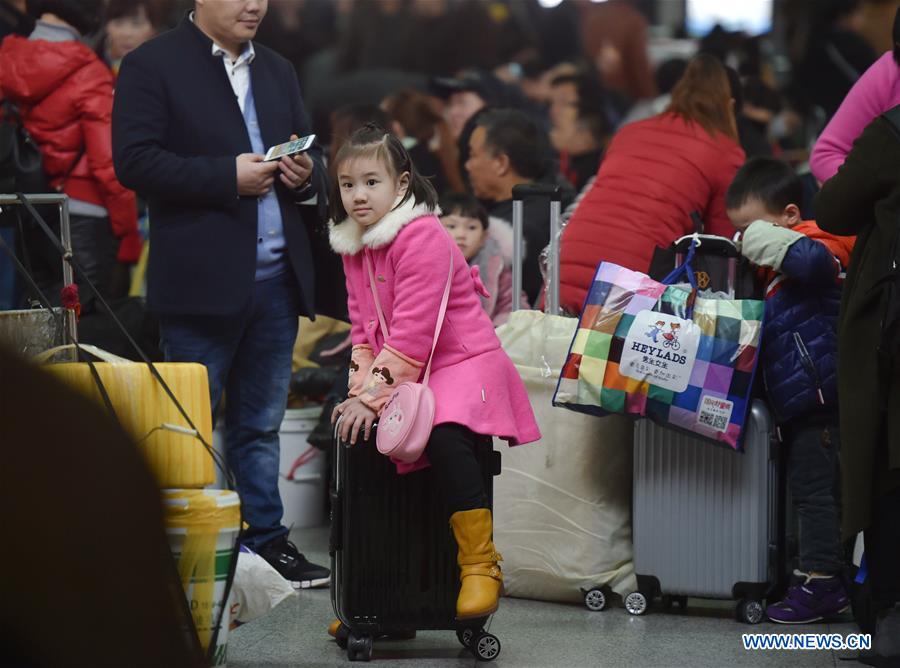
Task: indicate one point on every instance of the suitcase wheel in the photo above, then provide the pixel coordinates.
(749, 612)
(359, 648)
(636, 603)
(595, 599)
(465, 636)
(341, 636)
(485, 646)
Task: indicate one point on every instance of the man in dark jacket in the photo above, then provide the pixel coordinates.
(863, 198)
(231, 266)
(507, 148)
(799, 348)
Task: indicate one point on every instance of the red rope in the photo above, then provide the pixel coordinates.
(69, 299)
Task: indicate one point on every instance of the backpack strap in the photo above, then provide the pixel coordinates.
(892, 116)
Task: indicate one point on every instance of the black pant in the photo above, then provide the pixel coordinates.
(813, 470)
(451, 451)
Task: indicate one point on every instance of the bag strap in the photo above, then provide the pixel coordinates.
(99, 353)
(440, 320)
(441, 313)
(892, 116)
(697, 221)
(685, 267)
(384, 328)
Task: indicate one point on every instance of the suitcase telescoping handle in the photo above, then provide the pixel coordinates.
(519, 193)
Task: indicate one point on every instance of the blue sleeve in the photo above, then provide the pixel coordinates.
(810, 262)
(142, 162)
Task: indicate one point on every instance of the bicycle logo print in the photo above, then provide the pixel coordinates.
(660, 349)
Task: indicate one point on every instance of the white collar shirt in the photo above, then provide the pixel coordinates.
(238, 71)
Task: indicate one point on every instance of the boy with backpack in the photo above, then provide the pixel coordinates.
(803, 271)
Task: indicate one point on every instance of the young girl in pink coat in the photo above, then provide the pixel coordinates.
(383, 212)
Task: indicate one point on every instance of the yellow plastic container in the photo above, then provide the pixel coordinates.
(202, 527)
(178, 459)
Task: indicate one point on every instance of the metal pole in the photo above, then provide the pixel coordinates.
(518, 217)
(65, 235)
(553, 297)
(61, 201)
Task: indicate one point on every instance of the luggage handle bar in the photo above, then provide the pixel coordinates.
(554, 192)
(524, 190)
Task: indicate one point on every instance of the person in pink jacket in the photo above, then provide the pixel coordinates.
(383, 213)
(876, 91)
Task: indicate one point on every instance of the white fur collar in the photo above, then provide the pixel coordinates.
(349, 237)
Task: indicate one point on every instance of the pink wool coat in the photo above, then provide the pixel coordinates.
(474, 382)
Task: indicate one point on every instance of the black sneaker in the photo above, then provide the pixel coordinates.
(282, 554)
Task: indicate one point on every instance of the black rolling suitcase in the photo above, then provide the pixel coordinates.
(393, 555)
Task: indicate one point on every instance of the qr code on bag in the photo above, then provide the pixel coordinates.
(717, 422)
(715, 413)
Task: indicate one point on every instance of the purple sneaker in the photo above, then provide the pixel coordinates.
(810, 600)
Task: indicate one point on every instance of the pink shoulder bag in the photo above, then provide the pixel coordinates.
(406, 421)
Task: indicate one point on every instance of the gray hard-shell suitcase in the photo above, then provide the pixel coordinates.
(706, 519)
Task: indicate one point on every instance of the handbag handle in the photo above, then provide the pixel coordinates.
(685, 267)
(441, 313)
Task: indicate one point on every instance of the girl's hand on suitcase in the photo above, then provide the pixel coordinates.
(356, 416)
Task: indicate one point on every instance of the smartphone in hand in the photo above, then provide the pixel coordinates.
(288, 148)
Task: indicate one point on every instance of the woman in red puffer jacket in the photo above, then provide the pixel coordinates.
(654, 175)
(64, 94)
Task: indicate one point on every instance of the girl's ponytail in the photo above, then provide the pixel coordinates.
(372, 140)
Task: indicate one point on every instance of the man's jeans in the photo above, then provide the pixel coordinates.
(814, 473)
(248, 355)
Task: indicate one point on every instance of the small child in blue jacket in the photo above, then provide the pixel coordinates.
(803, 270)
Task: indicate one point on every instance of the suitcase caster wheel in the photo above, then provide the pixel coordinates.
(465, 636)
(359, 648)
(636, 603)
(749, 612)
(485, 646)
(343, 633)
(595, 600)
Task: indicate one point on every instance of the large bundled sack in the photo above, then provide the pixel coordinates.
(562, 506)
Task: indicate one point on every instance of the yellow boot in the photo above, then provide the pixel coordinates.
(334, 627)
(478, 570)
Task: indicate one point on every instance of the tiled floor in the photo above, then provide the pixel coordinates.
(532, 633)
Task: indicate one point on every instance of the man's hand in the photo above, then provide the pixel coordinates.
(254, 177)
(295, 169)
(356, 416)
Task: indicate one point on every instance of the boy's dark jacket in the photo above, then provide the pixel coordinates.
(804, 274)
